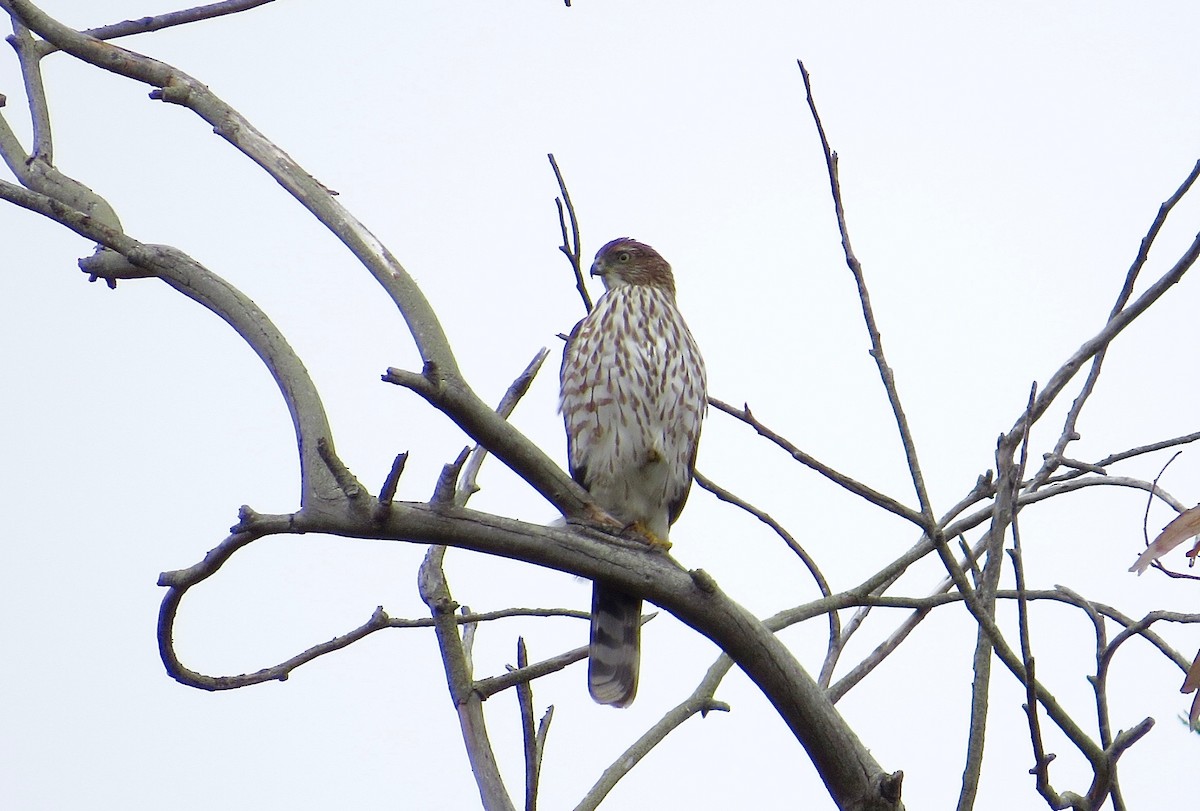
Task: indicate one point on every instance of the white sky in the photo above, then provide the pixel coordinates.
(999, 167)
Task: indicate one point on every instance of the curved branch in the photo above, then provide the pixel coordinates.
(441, 384)
(853, 777)
(379, 621)
(35, 91)
(320, 489)
(833, 648)
(176, 87)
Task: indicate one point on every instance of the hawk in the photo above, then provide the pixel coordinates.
(632, 399)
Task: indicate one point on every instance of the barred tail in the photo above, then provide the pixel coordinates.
(614, 647)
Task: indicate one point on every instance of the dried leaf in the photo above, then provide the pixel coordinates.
(1192, 681)
(1186, 525)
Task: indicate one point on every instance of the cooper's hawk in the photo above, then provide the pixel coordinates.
(633, 396)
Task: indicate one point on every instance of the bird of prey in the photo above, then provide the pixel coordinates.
(632, 399)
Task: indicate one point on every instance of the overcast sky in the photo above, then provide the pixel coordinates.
(999, 167)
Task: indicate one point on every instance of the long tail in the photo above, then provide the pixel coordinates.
(615, 646)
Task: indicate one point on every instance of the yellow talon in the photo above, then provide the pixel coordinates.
(649, 537)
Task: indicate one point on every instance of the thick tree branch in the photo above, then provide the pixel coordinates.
(319, 486)
(176, 87)
(441, 383)
(853, 777)
(35, 90)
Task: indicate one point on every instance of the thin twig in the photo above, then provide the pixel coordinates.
(1009, 474)
(1140, 627)
(488, 687)
(700, 702)
(1099, 681)
(570, 246)
(1069, 432)
(881, 651)
(528, 732)
(143, 24)
(446, 489)
(468, 485)
(1041, 761)
(808, 560)
(875, 587)
(983, 487)
(1114, 326)
(883, 579)
(1150, 448)
(972, 520)
(858, 488)
(379, 621)
(1150, 498)
(1041, 767)
(885, 371)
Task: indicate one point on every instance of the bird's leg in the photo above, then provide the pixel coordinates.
(597, 519)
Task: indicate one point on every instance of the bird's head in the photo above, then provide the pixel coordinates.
(627, 261)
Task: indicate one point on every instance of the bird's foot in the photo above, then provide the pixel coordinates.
(599, 518)
(640, 531)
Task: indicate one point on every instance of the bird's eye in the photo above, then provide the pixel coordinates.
(623, 256)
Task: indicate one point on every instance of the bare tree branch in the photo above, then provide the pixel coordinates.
(35, 91)
(529, 735)
(469, 705)
(808, 560)
(526, 673)
(157, 23)
(1115, 325)
(570, 245)
(885, 371)
(440, 383)
(878, 499)
(700, 702)
(319, 488)
(850, 772)
(333, 502)
(1068, 432)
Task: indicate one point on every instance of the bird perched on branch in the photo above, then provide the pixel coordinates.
(632, 398)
